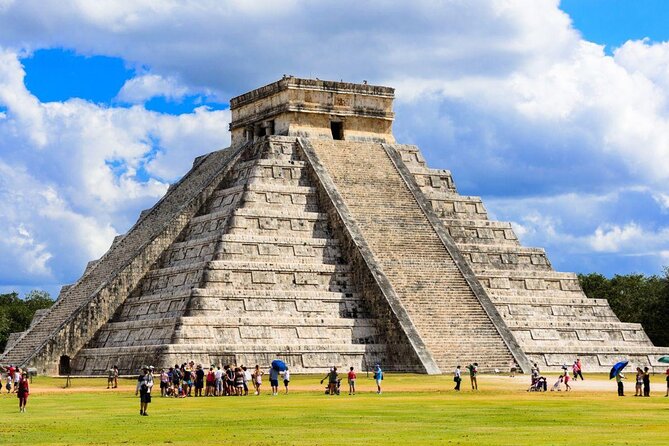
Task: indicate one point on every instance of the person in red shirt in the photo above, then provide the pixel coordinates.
(23, 392)
(351, 381)
(211, 380)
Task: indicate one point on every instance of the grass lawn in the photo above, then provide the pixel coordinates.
(413, 409)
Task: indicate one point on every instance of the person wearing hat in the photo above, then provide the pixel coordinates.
(144, 386)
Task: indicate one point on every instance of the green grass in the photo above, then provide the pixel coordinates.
(413, 410)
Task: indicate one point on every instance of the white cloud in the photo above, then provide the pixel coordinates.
(146, 86)
(73, 174)
(503, 92)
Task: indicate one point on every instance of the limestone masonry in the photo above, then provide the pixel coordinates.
(315, 238)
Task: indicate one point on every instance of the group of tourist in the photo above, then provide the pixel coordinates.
(334, 380)
(642, 382)
(539, 383)
(188, 380)
(16, 381)
(473, 376)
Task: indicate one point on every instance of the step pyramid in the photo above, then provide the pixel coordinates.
(316, 239)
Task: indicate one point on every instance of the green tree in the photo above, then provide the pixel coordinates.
(635, 298)
(16, 313)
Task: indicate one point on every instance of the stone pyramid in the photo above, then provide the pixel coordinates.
(315, 238)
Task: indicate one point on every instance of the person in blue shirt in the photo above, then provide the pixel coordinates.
(378, 377)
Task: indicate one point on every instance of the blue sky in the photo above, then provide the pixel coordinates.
(555, 113)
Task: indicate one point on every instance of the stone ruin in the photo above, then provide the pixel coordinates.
(317, 239)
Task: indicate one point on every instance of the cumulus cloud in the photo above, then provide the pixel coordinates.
(558, 136)
(146, 86)
(74, 174)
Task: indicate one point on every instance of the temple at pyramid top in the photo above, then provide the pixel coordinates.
(313, 108)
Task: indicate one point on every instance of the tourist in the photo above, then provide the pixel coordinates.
(10, 376)
(248, 376)
(199, 380)
(514, 369)
(211, 382)
(566, 382)
(239, 381)
(286, 379)
(144, 386)
(229, 380)
(188, 379)
(579, 368)
(474, 371)
(639, 382)
(535, 370)
(176, 377)
(218, 381)
(115, 377)
(332, 377)
(576, 370)
(557, 384)
(110, 378)
(619, 381)
(351, 381)
(667, 394)
(274, 380)
(646, 382)
(257, 379)
(8, 384)
(457, 377)
(378, 377)
(17, 378)
(23, 390)
(164, 382)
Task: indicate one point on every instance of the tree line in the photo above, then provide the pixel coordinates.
(16, 313)
(635, 298)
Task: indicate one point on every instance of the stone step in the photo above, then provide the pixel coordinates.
(523, 293)
(274, 248)
(556, 300)
(242, 321)
(280, 171)
(528, 280)
(505, 257)
(280, 223)
(270, 195)
(263, 275)
(568, 324)
(480, 232)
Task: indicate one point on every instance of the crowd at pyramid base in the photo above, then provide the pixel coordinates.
(318, 240)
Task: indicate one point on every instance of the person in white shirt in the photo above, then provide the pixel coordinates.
(144, 386)
(286, 379)
(457, 377)
(218, 381)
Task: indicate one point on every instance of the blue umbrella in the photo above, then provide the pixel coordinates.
(279, 365)
(617, 367)
(664, 359)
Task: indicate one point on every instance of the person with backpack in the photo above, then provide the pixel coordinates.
(144, 386)
(378, 377)
(457, 377)
(473, 372)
